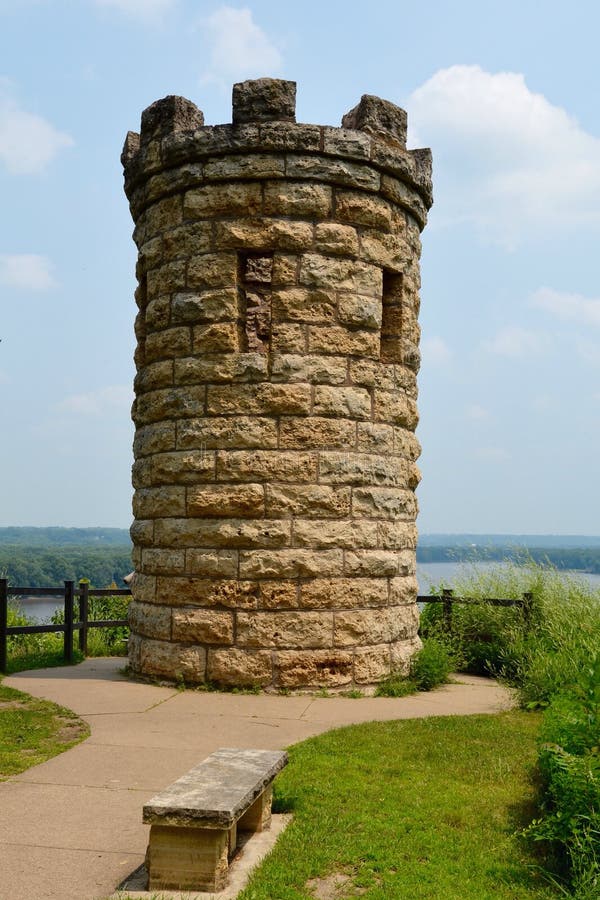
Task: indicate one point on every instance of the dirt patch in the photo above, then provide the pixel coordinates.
(12, 704)
(70, 730)
(334, 887)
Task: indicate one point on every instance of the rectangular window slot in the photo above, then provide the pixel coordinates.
(391, 318)
(255, 272)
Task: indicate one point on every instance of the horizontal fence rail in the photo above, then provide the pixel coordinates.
(80, 623)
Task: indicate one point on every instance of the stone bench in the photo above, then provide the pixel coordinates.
(194, 822)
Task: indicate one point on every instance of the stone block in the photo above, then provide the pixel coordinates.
(156, 561)
(280, 136)
(298, 563)
(186, 240)
(267, 398)
(264, 100)
(143, 588)
(370, 626)
(316, 432)
(211, 563)
(291, 367)
(359, 208)
(212, 270)
(171, 114)
(255, 165)
(167, 660)
(284, 629)
(396, 535)
(154, 438)
(360, 469)
(318, 668)
(343, 593)
(244, 367)
(342, 274)
(336, 339)
(169, 403)
(359, 311)
(384, 503)
(327, 533)
(307, 500)
(304, 305)
(232, 533)
(183, 467)
(243, 432)
(168, 344)
(372, 664)
(334, 171)
(256, 234)
(186, 859)
(401, 653)
(142, 532)
(153, 376)
(375, 438)
(305, 199)
(202, 626)
(159, 501)
(278, 595)
(396, 409)
(240, 667)
(163, 215)
(222, 337)
(403, 591)
(371, 373)
(267, 465)
(334, 239)
(214, 200)
(213, 305)
(150, 620)
(288, 338)
(377, 116)
(243, 500)
(371, 563)
(343, 142)
(342, 402)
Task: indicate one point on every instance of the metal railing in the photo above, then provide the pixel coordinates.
(80, 622)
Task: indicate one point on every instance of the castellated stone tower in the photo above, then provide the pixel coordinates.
(275, 403)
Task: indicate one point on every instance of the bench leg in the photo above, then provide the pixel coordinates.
(188, 858)
(258, 816)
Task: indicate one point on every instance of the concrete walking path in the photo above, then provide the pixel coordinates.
(71, 827)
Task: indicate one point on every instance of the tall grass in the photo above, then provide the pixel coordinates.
(553, 661)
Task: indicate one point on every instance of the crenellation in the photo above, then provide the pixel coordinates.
(276, 389)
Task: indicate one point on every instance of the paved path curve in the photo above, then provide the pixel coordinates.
(71, 827)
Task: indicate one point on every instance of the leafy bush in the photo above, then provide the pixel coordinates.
(429, 668)
(553, 659)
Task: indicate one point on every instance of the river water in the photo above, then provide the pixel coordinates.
(428, 574)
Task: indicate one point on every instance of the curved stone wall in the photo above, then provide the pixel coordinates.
(275, 406)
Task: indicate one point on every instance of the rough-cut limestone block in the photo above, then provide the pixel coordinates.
(154, 438)
(360, 468)
(244, 367)
(290, 563)
(267, 465)
(316, 432)
(317, 270)
(343, 593)
(202, 626)
(371, 563)
(150, 620)
(359, 311)
(311, 668)
(284, 629)
(187, 858)
(162, 658)
(143, 588)
(264, 100)
(156, 375)
(313, 369)
(263, 399)
(212, 305)
(240, 667)
(221, 432)
(163, 562)
(371, 664)
(305, 199)
(222, 200)
(314, 305)
(372, 626)
(342, 402)
(383, 503)
(375, 438)
(330, 533)
(334, 239)
(159, 501)
(363, 209)
(211, 563)
(335, 171)
(278, 595)
(288, 338)
(228, 533)
(246, 500)
(401, 654)
(336, 339)
(307, 500)
(377, 116)
(183, 467)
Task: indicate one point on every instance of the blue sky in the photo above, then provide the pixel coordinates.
(505, 94)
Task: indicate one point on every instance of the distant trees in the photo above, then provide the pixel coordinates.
(586, 559)
(46, 567)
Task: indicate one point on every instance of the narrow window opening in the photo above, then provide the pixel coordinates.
(254, 285)
(391, 318)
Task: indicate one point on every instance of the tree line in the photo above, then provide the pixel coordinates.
(49, 567)
(585, 559)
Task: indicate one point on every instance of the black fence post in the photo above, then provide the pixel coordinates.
(447, 607)
(84, 611)
(3, 625)
(527, 609)
(68, 636)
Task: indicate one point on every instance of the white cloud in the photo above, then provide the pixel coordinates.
(148, 11)
(574, 307)
(507, 160)
(435, 351)
(515, 341)
(26, 271)
(239, 47)
(28, 142)
(101, 402)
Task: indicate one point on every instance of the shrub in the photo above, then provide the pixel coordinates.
(429, 668)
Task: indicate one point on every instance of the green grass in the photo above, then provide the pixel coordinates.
(410, 809)
(32, 731)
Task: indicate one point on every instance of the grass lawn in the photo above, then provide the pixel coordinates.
(409, 809)
(32, 731)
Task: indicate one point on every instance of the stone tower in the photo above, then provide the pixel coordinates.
(276, 390)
